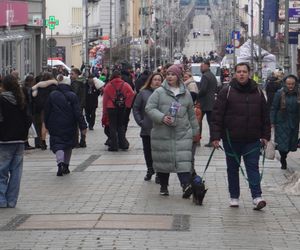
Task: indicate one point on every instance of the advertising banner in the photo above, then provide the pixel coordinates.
(13, 13)
(294, 11)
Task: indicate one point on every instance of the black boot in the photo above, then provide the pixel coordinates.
(157, 180)
(43, 145)
(283, 162)
(65, 169)
(187, 191)
(149, 175)
(82, 142)
(164, 190)
(60, 169)
(27, 146)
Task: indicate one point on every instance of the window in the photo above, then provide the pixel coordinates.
(77, 17)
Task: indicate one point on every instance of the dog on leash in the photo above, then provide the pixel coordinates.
(199, 190)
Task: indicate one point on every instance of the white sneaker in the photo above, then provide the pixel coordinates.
(234, 202)
(259, 203)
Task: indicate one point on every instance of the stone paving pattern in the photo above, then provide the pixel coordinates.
(103, 182)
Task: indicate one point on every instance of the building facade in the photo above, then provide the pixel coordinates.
(20, 37)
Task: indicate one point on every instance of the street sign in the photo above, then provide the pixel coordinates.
(51, 42)
(52, 22)
(293, 37)
(235, 35)
(294, 11)
(229, 49)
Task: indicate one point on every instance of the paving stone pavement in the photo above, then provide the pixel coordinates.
(106, 183)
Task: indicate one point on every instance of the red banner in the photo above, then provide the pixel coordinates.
(13, 13)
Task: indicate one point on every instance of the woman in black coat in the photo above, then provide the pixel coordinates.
(142, 119)
(62, 118)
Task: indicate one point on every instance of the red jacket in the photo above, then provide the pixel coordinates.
(109, 93)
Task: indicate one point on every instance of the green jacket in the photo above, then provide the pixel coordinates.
(286, 121)
(172, 146)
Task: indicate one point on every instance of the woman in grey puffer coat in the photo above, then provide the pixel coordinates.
(143, 120)
(171, 109)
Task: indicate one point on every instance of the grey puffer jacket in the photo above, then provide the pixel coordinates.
(140, 116)
(172, 146)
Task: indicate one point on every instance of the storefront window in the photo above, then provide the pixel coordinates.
(27, 55)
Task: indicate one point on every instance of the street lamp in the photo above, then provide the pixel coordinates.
(44, 46)
(286, 39)
(87, 65)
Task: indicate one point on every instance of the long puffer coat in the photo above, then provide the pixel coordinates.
(172, 146)
(62, 118)
(286, 121)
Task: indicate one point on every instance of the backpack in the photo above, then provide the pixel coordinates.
(119, 98)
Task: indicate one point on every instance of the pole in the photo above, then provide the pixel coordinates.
(44, 46)
(148, 33)
(252, 38)
(260, 41)
(233, 30)
(87, 65)
(110, 36)
(51, 46)
(155, 37)
(142, 35)
(286, 39)
(125, 9)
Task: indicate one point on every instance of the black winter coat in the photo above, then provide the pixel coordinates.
(79, 88)
(242, 110)
(14, 122)
(40, 100)
(207, 90)
(140, 116)
(92, 95)
(62, 118)
(272, 85)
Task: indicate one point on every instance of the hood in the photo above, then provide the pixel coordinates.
(8, 95)
(166, 86)
(188, 81)
(64, 87)
(66, 80)
(249, 87)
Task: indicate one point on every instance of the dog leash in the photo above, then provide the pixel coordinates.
(208, 162)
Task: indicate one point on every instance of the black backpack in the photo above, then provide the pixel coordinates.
(119, 99)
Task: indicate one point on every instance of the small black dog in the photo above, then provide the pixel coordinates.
(199, 189)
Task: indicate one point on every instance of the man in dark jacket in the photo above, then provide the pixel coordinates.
(241, 120)
(78, 87)
(272, 85)
(93, 90)
(207, 90)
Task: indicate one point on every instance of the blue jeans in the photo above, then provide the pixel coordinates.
(252, 167)
(11, 166)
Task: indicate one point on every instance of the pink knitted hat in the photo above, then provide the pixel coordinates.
(176, 69)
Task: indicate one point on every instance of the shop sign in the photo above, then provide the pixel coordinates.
(13, 13)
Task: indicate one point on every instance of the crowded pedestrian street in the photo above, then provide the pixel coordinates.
(149, 125)
(105, 204)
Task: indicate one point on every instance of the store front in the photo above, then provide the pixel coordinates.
(19, 51)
